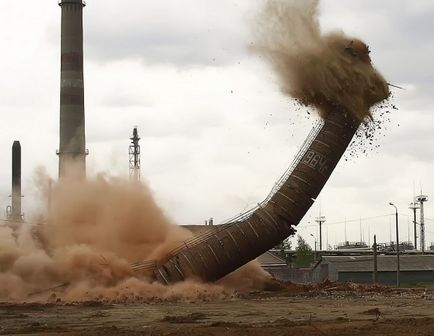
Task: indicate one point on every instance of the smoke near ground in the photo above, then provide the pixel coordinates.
(328, 71)
(84, 245)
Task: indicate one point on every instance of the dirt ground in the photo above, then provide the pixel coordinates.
(293, 310)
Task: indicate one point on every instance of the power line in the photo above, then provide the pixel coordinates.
(348, 220)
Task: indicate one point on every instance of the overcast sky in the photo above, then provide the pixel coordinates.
(216, 131)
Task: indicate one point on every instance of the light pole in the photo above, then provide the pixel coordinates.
(320, 220)
(397, 244)
(315, 243)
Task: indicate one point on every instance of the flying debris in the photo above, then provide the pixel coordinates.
(395, 86)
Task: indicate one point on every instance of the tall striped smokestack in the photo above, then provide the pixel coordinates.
(72, 150)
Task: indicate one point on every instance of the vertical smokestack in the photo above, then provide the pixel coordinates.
(72, 150)
(16, 182)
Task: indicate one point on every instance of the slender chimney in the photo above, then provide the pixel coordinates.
(16, 182)
(72, 150)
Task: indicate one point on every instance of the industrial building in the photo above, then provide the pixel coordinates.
(415, 269)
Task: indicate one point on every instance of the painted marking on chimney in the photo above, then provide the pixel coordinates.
(72, 83)
(72, 61)
(66, 99)
(316, 161)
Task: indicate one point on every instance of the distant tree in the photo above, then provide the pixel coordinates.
(284, 245)
(281, 247)
(304, 256)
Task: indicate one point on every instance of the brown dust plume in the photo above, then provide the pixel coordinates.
(328, 71)
(84, 246)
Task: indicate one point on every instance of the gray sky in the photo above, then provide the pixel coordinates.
(216, 132)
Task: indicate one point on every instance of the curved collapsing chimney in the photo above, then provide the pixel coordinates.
(226, 247)
(72, 149)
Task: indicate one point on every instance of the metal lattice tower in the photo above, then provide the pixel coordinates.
(422, 199)
(413, 207)
(134, 156)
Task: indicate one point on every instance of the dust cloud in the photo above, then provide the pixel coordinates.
(328, 71)
(84, 243)
(247, 277)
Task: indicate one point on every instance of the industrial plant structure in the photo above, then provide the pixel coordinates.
(72, 149)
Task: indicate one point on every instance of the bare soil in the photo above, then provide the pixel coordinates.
(292, 310)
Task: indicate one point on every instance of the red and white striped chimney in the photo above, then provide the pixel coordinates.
(72, 150)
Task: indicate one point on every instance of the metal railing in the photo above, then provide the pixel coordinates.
(143, 266)
(151, 265)
(303, 149)
(202, 237)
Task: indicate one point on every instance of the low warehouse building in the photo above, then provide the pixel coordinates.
(359, 269)
(274, 265)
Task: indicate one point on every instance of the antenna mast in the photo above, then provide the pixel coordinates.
(134, 156)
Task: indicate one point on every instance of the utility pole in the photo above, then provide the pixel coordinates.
(414, 206)
(369, 235)
(408, 230)
(315, 244)
(320, 220)
(390, 231)
(345, 229)
(397, 245)
(422, 199)
(374, 247)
